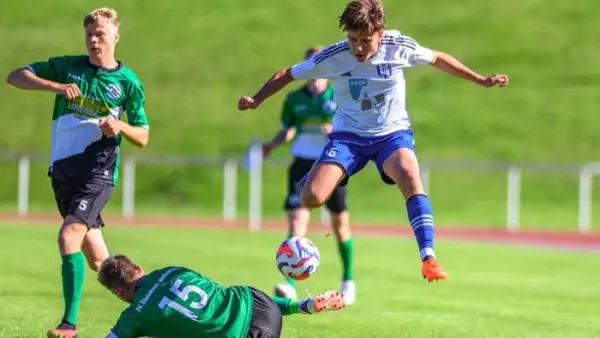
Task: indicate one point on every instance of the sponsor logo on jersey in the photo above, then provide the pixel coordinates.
(356, 87)
(76, 77)
(87, 107)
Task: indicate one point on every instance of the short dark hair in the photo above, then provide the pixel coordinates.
(118, 271)
(363, 15)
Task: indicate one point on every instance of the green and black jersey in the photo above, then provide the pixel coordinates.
(178, 302)
(307, 113)
(79, 150)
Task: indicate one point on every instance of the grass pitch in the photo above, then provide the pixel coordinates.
(492, 291)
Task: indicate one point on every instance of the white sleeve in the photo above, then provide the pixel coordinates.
(421, 55)
(325, 64)
(413, 52)
(111, 335)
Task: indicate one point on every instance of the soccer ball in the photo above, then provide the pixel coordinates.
(298, 258)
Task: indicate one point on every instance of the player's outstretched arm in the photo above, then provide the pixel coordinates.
(452, 66)
(24, 78)
(282, 136)
(277, 82)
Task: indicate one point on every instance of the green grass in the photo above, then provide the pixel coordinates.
(193, 77)
(493, 290)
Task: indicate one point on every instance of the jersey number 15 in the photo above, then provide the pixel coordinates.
(184, 294)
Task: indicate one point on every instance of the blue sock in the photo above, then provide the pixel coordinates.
(421, 222)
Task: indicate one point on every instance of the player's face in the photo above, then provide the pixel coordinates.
(101, 38)
(121, 294)
(364, 44)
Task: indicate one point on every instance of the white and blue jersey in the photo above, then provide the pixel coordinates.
(371, 95)
(371, 121)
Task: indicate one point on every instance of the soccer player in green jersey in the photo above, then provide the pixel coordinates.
(92, 93)
(306, 118)
(176, 302)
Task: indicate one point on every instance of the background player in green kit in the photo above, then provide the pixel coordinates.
(306, 118)
(178, 302)
(92, 93)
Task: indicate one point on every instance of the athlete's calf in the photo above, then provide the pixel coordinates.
(403, 168)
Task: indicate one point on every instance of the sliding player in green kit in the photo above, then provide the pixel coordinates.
(178, 302)
(93, 92)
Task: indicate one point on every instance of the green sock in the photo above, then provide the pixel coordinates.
(291, 281)
(287, 306)
(345, 250)
(73, 273)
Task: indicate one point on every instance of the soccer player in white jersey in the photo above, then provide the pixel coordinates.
(371, 121)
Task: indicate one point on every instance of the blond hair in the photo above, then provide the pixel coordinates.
(102, 14)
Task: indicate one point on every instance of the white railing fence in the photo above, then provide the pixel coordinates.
(253, 163)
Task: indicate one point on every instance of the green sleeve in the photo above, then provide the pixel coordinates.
(135, 106)
(49, 70)
(127, 327)
(288, 118)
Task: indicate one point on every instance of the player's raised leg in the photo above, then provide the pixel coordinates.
(319, 184)
(402, 167)
(340, 222)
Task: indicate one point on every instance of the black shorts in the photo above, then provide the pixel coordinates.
(297, 170)
(84, 201)
(266, 319)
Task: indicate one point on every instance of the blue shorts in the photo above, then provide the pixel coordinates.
(353, 152)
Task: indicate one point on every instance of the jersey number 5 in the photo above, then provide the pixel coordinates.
(184, 294)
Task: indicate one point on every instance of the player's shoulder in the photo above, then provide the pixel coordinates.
(395, 38)
(331, 51)
(130, 75)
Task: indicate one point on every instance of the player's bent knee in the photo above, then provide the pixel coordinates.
(71, 234)
(312, 198)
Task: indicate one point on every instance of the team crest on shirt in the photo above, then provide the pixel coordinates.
(356, 87)
(384, 70)
(329, 106)
(114, 91)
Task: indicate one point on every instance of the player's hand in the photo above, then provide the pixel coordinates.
(70, 90)
(266, 149)
(493, 80)
(247, 102)
(109, 127)
(327, 128)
